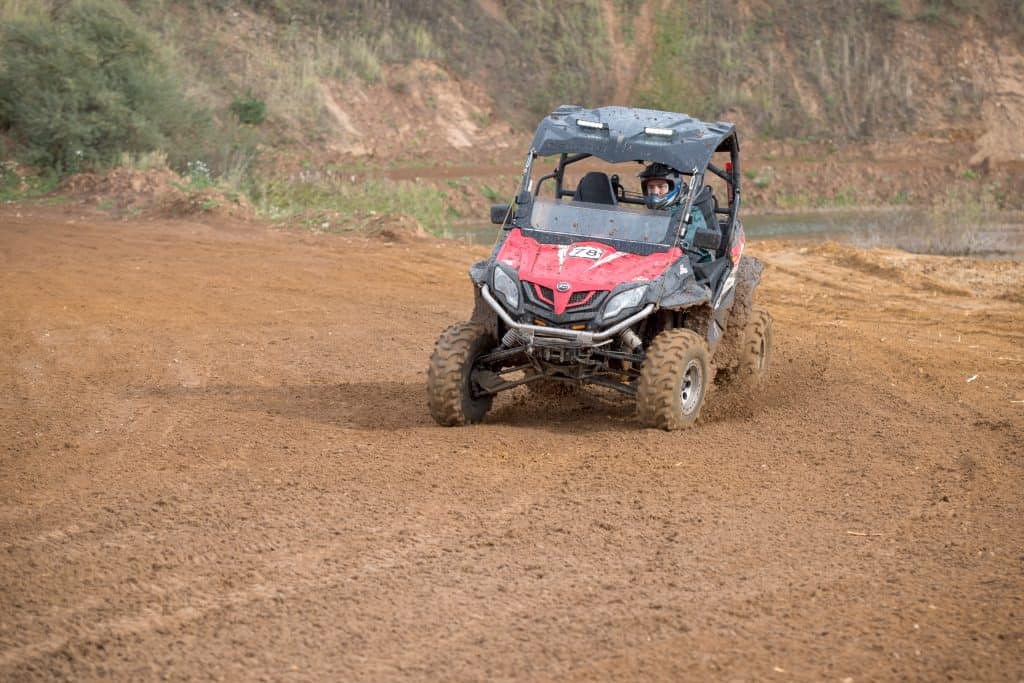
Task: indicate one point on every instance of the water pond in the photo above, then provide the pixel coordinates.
(913, 230)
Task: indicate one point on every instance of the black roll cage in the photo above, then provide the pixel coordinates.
(732, 180)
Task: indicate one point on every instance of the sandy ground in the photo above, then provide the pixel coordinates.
(217, 463)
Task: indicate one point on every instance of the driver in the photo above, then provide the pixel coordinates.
(661, 186)
(663, 189)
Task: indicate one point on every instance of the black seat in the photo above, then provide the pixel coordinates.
(707, 203)
(596, 188)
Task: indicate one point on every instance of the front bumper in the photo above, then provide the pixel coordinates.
(580, 337)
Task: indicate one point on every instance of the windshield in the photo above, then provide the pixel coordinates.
(602, 221)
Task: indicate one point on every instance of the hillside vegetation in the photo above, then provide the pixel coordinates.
(843, 70)
(312, 90)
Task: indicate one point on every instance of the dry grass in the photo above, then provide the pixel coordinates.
(960, 224)
(286, 66)
(348, 204)
(861, 85)
(12, 10)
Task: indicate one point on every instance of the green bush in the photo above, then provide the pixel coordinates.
(249, 109)
(15, 185)
(83, 85)
(944, 11)
(10, 182)
(888, 9)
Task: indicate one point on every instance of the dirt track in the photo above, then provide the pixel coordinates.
(217, 462)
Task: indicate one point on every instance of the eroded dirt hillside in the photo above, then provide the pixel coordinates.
(916, 76)
(217, 462)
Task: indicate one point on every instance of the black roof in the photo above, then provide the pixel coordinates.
(621, 136)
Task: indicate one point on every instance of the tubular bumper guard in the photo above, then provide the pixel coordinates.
(578, 336)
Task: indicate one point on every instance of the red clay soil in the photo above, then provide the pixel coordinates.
(217, 463)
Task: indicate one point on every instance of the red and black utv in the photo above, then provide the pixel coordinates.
(587, 285)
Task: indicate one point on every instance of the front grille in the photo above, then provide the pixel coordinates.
(545, 294)
(582, 307)
(578, 298)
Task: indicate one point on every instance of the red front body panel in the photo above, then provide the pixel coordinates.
(579, 267)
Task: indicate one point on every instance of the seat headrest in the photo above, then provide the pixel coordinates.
(596, 188)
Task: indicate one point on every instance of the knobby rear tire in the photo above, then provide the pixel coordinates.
(756, 352)
(449, 377)
(729, 348)
(676, 364)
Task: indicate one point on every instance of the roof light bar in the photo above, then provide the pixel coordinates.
(597, 125)
(661, 132)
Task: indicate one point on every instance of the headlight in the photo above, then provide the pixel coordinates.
(507, 287)
(624, 300)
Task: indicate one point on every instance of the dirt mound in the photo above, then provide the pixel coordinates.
(953, 276)
(205, 201)
(154, 192)
(395, 227)
(122, 188)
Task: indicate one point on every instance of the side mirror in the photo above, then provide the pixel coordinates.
(707, 239)
(499, 212)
